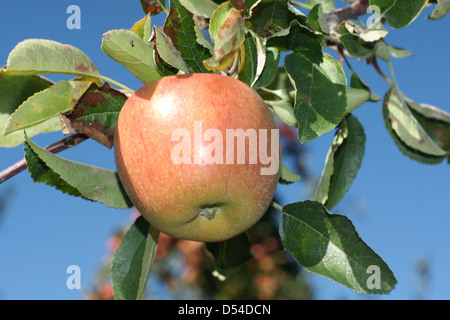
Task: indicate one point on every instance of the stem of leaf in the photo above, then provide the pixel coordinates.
(277, 206)
(301, 5)
(380, 72)
(163, 7)
(394, 79)
(118, 84)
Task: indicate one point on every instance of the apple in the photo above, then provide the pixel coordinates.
(185, 153)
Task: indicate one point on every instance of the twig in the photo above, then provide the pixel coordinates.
(53, 148)
(354, 10)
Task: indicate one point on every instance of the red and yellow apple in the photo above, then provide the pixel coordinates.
(191, 184)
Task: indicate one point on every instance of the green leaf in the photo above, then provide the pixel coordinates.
(287, 176)
(320, 98)
(328, 244)
(168, 52)
(218, 18)
(143, 28)
(230, 36)
(180, 27)
(343, 161)
(270, 68)
(434, 121)
(385, 51)
(39, 56)
(231, 253)
(300, 39)
(407, 128)
(355, 98)
(252, 58)
(441, 9)
(316, 19)
(133, 259)
(358, 83)
(428, 111)
(92, 183)
(327, 5)
(14, 90)
(47, 104)
(404, 148)
(271, 16)
(131, 51)
(41, 173)
(204, 8)
(285, 110)
(399, 13)
(357, 47)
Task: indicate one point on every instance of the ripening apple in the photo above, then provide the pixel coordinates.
(198, 155)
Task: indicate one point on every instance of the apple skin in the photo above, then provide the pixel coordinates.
(175, 197)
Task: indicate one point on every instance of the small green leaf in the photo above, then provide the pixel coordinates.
(357, 47)
(358, 83)
(248, 72)
(268, 17)
(343, 162)
(230, 36)
(218, 18)
(434, 121)
(133, 259)
(441, 9)
(316, 19)
(143, 28)
(14, 90)
(385, 51)
(270, 67)
(404, 148)
(320, 98)
(287, 176)
(399, 13)
(300, 39)
(328, 244)
(92, 183)
(39, 56)
(131, 51)
(49, 103)
(168, 52)
(204, 8)
(180, 27)
(285, 110)
(407, 128)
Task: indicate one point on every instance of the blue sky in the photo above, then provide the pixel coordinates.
(405, 215)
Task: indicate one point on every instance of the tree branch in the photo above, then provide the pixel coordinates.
(353, 10)
(56, 147)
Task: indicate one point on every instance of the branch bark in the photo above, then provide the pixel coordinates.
(56, 147)
(353, 10)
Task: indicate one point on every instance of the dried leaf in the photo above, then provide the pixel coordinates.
(95, 114)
